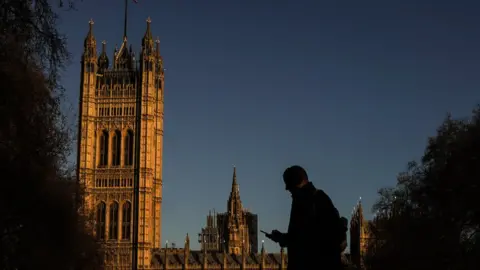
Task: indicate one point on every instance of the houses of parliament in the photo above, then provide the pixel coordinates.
(120, 147)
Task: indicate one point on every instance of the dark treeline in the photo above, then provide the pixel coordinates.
(40, 227)
(431, 218)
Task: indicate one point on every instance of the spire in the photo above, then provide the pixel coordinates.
(360, 210)
(209, 219)
(104, 44)
(157, 47)
(89, 39)
(205, 261)
(187, 242)
(90, 48)
(214, 218)
(90, 23)
(234, 203)
(263, 255)
(103, 58)
(234, 179)
(165, 265)
(186, 252)
(147, 38)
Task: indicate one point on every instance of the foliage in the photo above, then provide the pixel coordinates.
(32, 27)
(40, 227)
(431, 218)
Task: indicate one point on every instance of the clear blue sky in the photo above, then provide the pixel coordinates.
(349, 91)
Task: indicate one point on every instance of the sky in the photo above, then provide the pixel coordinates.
(350, 90)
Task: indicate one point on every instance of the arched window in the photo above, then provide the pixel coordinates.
(116, 144)
(117, 91)
(101, 217)
(113, 229)
(128, 148)
(103, 90)
(104, 148)
(127, 220)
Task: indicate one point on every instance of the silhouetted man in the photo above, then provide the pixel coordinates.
(314, 234)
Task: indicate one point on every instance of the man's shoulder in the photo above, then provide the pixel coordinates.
(324, 201)
(321, 196)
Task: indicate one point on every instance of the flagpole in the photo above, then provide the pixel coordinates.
(125, 20)
(136, 171)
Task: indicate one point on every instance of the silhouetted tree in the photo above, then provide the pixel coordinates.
(431, 219)
(40, 227)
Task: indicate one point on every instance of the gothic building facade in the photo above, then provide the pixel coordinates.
(233, 230)
(119, 163)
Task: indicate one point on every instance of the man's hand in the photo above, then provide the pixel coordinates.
(275, 236)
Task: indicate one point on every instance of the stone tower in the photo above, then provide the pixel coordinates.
(120, 147)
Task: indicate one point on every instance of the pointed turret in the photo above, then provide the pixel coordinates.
(262, 254)
(90, 38)
(187, 243)
(89, 57)
(186, 252)
(358, 234)
(115, 51)
(157, 47)
(103, 58)
(149, 63)
(357, 216)
(89, 63)
(166, 262)
(214, 218)
(209, 219)
(147, 40)
(159, 70)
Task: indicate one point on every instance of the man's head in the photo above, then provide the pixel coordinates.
(295, 177)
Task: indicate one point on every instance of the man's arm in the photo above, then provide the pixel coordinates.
(278, 237)
(283, 240)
